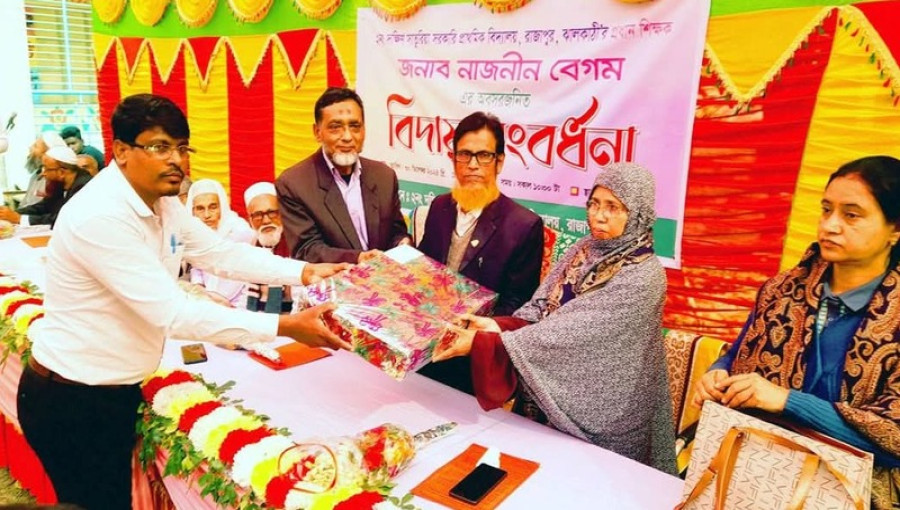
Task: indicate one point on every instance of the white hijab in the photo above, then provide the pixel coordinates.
(230, 224)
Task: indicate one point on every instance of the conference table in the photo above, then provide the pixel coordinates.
(341, 395)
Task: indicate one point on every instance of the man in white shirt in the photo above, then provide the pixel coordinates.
(111, 300)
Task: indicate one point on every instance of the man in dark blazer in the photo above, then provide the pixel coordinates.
(335, 205)
(482, 233)
(59, 167)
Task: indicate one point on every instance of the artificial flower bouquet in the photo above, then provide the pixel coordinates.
(20, 307)
(395, 308)
(248, 463)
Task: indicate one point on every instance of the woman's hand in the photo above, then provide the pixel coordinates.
(707, 388)
(753, 391)
(459, 344)
(468, 321)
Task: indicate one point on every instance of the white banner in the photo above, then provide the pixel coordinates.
(577, 88)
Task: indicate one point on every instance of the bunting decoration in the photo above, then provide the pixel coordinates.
(318, 9)
(396, 10)
(109, 11)
(149, 12)
(196, 13)
(250, 11)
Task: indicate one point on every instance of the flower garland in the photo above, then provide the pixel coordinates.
(248, 464)
(20, 307)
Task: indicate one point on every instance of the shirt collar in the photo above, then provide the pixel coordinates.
(127, 191)
(855, 299)
(357, 168)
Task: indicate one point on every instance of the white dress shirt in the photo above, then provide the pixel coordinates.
(352, 193)
(466, 220)
(111, 295)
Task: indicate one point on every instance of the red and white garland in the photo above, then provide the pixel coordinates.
(284, 474)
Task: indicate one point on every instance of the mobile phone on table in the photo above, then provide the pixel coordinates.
(478, 483)
(193, 353)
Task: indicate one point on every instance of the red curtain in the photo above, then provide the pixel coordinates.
(743, 173)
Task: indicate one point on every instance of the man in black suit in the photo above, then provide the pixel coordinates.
(60, 166)
(335, 205)
(482, 233)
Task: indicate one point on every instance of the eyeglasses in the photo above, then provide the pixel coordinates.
(164, 150)
(609, 209)
(483, 157)
(272, 214)
(336, 128)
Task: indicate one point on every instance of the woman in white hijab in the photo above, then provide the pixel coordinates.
(207, 201)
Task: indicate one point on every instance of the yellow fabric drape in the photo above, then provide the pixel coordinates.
(344, 42)
(102, 45)
(854, 117)
(208, 118)
(294, 108)
(248, 53)
(165, 51)
(141, 81)
(773, 37)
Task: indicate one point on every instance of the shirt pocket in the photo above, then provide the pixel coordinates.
(172, 260)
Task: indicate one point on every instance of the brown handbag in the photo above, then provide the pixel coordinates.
(758, 465)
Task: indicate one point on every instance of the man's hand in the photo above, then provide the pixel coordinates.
(315, 273)
(307, 327)
(9, 215)
(460, 344)
(366, 255)
(707, 387)
(469, 321)
(753, 391)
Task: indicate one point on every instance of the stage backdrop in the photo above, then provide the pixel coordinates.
(786, 95)
(577, 89)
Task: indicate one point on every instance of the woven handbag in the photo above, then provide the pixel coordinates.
(741, 463)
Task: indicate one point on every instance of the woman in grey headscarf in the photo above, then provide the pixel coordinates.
(585, 355)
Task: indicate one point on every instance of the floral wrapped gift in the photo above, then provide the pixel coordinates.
(396, 307)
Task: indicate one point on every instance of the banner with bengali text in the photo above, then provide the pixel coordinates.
(598, 82)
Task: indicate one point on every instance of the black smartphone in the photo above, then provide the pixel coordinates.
(193, 353)
(478, 483)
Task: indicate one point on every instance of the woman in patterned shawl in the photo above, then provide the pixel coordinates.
(822, 344)
(585, 354)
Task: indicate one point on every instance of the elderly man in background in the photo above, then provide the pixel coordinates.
(265, 217)
(88, 164)
(482, 233)
(60, 166)
(72, 137)
(337, 206)
(36, 183)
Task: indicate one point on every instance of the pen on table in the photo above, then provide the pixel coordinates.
(172, 243)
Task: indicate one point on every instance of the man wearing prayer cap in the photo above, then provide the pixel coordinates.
(265, 217)
(60, 166)
(36, 183)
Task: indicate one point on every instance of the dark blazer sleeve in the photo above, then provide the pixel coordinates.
(43, 212)
(524, 271)
(303, 234)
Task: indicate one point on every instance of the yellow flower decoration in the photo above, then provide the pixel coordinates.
(318, 9)
(501, 5)
(217, 436)
(394, 10)
(109, 11)
(196, 13)
(149, 12)
(263, 473)
(330, 499)
(180, 405)
(250, 11)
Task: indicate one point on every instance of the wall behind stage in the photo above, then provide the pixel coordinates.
(786, 95)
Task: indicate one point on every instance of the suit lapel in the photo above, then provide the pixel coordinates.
(334, 202)
(445, 224)
(484, 230)
(369, 189)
